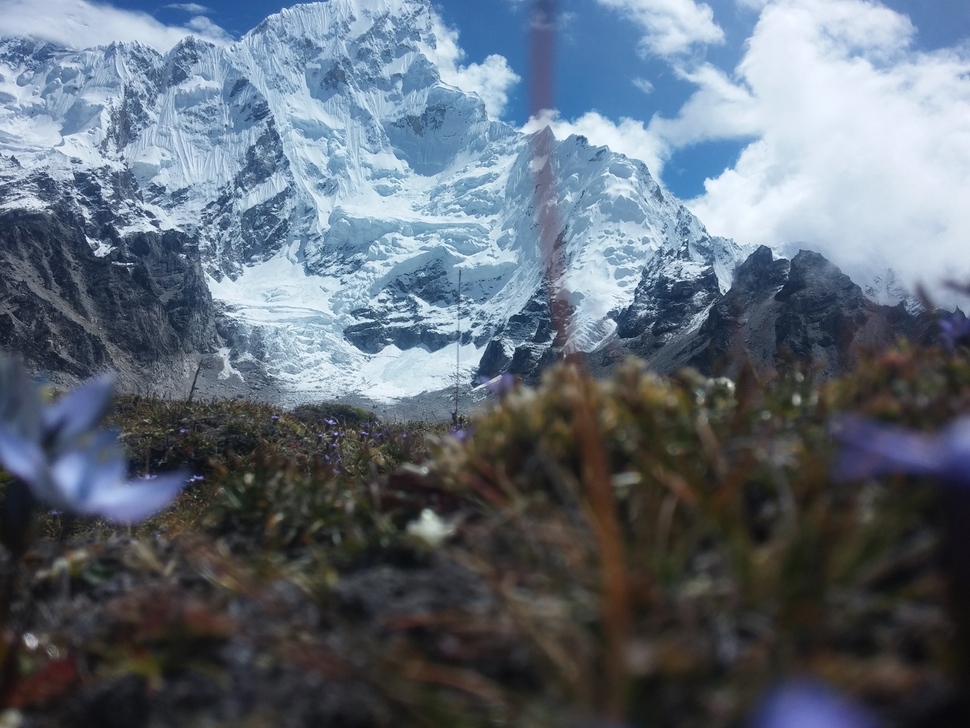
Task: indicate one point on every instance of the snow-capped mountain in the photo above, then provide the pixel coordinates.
(332, 187)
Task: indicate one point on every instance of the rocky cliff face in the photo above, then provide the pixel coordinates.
(778, 311)
(142, 310)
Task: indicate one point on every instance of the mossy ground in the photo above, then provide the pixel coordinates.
(651, 551)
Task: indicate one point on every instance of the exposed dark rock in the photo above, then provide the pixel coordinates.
(430, 283)
(673, 291)
(530, 360)
(264, 159)
(527, 344)
(395, 316)
(264, 228)
(497, 357)
(747, 306)
(372, 336)
(142, 309)
(777, 311)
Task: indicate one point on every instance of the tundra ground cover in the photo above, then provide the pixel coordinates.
(639, 551)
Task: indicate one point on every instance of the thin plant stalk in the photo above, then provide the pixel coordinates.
(616, 609)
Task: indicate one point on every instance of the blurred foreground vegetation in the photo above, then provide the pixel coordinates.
(644, 551)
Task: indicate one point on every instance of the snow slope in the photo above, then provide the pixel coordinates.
(336, 186)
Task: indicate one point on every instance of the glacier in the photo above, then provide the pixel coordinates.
(335, 186)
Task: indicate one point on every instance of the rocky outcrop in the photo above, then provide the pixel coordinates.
(526, 344)
(141, 310)
(408, 313)
(673, 294)
(804, 310)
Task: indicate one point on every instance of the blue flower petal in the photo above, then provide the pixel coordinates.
(20, 404)
(955, 444)
(78, 411)
(134, 501)
(73, 476)
(872, 448)
(810, 705)
(82, 471)
(26, 460)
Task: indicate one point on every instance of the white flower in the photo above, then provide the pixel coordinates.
(431, 528)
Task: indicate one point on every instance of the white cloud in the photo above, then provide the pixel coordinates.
(719, 109)
(861, 145)
(192, 8)
(202, 27)
(670, 27)
(643, 84)
(628, 137)
(81, 24)
(491, 80)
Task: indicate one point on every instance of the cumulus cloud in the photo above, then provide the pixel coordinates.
(491, 80)
(861, 145)
(81, 24)
(720, 108)
(670, 27)
(628, 136)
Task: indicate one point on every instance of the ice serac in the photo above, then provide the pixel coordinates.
(333, 187)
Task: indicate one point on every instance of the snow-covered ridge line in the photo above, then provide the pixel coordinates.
(335, 186)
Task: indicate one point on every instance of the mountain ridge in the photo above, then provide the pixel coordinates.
(332, 186)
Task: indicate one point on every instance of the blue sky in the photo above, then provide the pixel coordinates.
(843, 124)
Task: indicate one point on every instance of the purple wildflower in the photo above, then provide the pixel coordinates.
(805, 704)
(499, 385)
(87, 478)
(20, 404)
(873, 448)
(953, 328)
(61, 460)
(76, 412)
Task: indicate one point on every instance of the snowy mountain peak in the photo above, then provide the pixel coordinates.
(372, 33)
(336, 186)
(346, 18)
